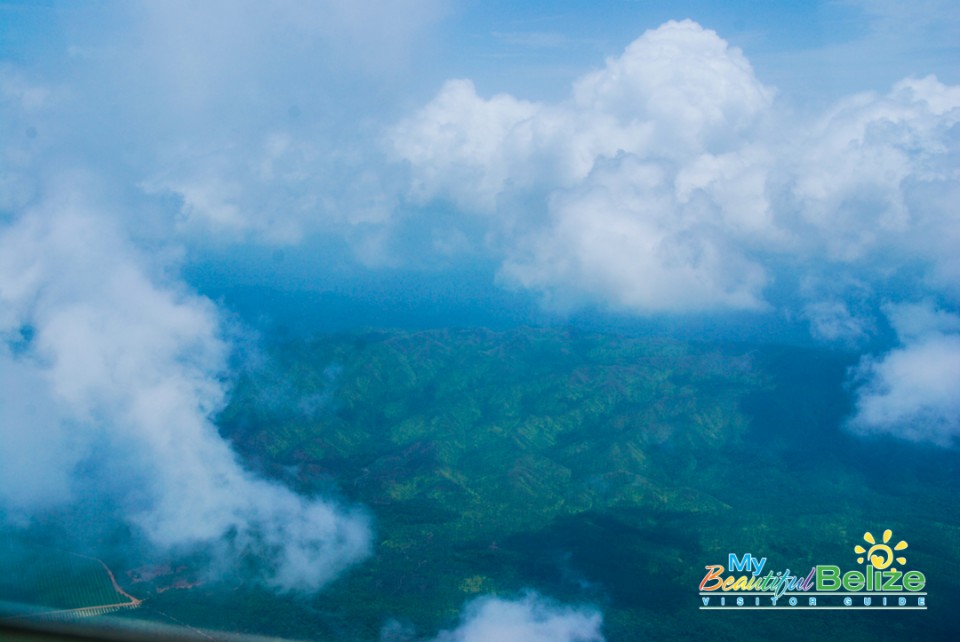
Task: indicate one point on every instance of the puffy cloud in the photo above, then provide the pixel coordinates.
(623, 238)
(623, 163)
(112, 370)
(676, 91)
(463, 146)
(671, 180)
(913, 391)
(872, 173)
(691, 88)
(531, 619)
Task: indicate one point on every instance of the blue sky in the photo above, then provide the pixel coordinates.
(172, 173)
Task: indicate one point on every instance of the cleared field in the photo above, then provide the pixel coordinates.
(60, 585)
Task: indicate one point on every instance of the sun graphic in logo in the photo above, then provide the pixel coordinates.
(880, 555)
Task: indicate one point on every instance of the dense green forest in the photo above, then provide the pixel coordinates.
(593, 469)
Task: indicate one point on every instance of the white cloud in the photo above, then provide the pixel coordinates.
(913, 321)
(22, 104)
(531, 619)
(868, 174)
(913, 391)
(675, 92)
(671, 180)
(246, 122)
(260, 137)
(114, 366)
(624, 162)
(464, 147)
(833, 321)
(695, 91)
(238, 192)
(623, 239)
(34, 436)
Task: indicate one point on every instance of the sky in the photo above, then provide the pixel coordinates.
(173, 173)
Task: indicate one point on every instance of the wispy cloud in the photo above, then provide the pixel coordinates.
(113, 366)
(137, 129)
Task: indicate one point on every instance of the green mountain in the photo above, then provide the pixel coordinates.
(594, 469)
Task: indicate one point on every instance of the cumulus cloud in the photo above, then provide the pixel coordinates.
(913, 391)
(111, 371)
(675, 91)
(682, 85)
(464, 147)
(615, 167)
(672, 180)
(872, 174)
(530, 619)
(620, 238)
